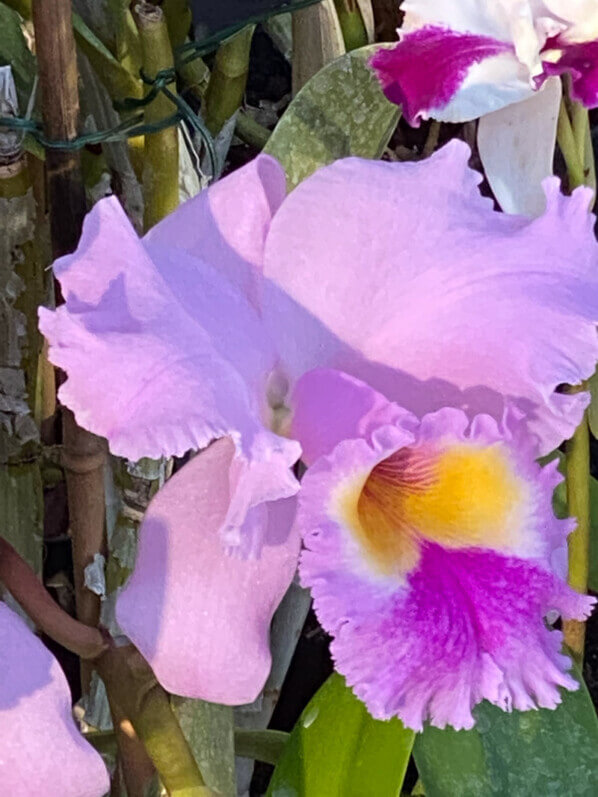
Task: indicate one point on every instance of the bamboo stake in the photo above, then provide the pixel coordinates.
(84, 453)
(317, 39)
(226, 89)
(161, 156)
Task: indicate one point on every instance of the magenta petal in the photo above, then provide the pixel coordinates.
(227, 224)
(199, 615)
(162, 352)
(428, 67)
(41, 753)
(469, 627)
(580, 60)
(419, 288)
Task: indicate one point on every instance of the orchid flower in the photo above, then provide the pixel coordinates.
(466, 59)
(42, 752)
(384, 323)
(460, 60)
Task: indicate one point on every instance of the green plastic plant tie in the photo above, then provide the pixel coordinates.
(134, 126)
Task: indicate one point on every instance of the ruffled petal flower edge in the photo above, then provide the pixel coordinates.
(429, 555)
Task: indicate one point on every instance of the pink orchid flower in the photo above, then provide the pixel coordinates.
(461, 59)
(42, 752)
(381, 321)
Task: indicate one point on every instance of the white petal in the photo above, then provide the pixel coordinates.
(582, 16)
(516, 145)
(492, 84)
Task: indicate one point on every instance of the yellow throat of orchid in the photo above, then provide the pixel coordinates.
(459, 496)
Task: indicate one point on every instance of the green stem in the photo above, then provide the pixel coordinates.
(573, 136)
(136, 695)
(260, 745)
(161, 154)
(432, 138)
(568, 146)
(577, 479)
(178, 19)
(228, 80)
(352, 25)
(250, 131)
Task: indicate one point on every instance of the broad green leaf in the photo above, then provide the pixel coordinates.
(119, 82)
(337, 750)
(547, 753)
(14, 51)
(560, 509)
(341, 111)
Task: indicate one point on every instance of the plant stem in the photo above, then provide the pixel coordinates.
(352, 25)
(573, 136)
(178, 20)
(250, 131)
(265, 745)
(136, 694)
(84, 453)
(20, 580)
(577, 480)
(161, 155)
(568, 146)
(228, 80)
(431, 139)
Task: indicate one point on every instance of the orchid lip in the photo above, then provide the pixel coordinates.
(460, 496)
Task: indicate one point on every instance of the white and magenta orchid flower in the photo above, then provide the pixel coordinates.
(461, 59)
(496, 60)
(384, 323)
(41, 752)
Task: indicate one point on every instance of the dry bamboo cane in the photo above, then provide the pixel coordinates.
(317, 39)
(161, 155)
(84, 453)
(226, 89)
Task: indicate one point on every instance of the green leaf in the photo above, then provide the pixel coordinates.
(118, 81)
(14, 51)
(559, 503)
(520, 754)
(341, 111)
(336, 748)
